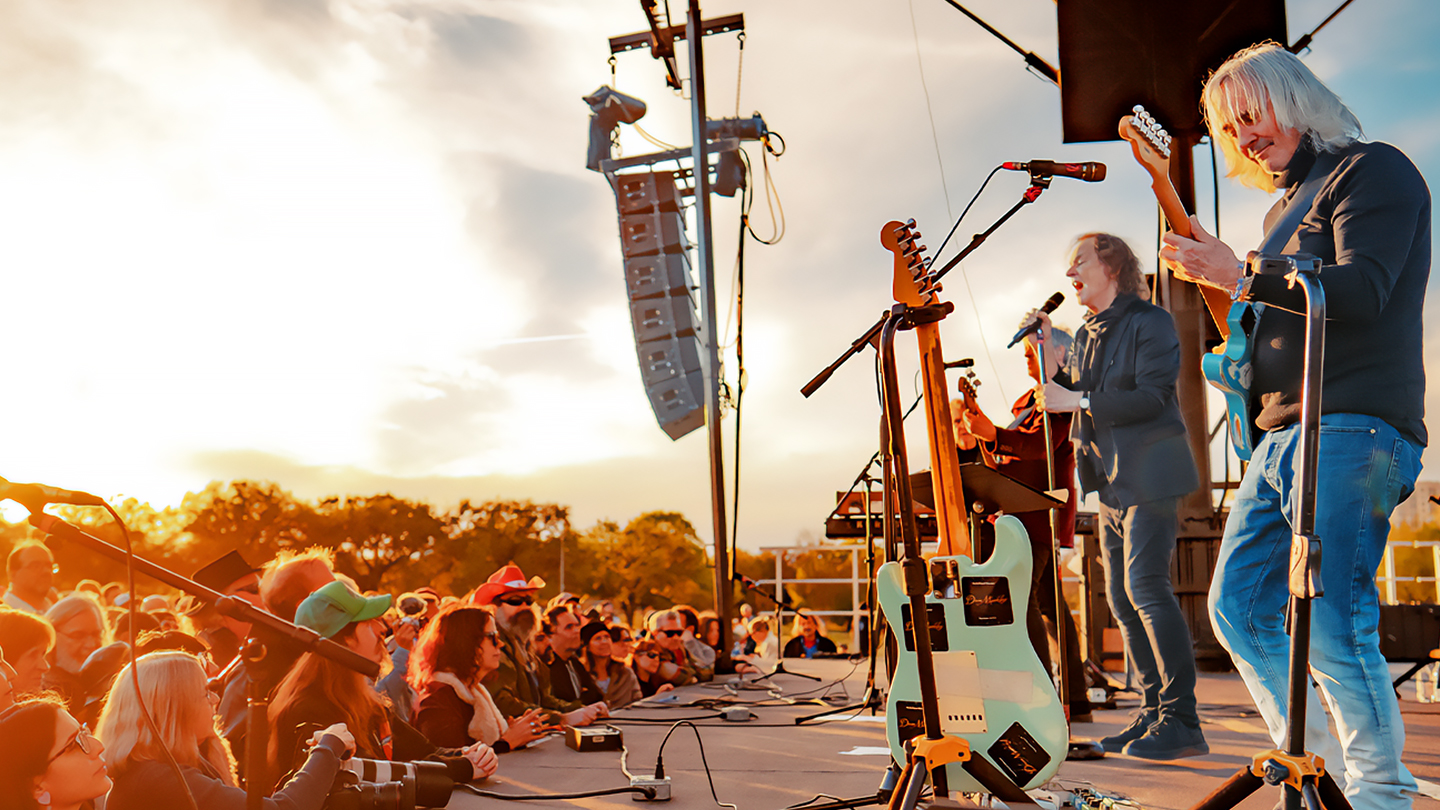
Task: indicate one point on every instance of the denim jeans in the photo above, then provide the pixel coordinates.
(1136, 544)
(1365, 468)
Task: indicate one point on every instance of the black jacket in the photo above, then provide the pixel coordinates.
(1131, 443)
(1370, 227)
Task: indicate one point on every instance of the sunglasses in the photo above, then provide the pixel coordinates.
(84, 740)
(648, 655)
(623, 640)
(518, 601)
(673, 633)
(492, 636)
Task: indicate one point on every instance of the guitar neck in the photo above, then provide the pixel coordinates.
(950, 508)
(1217, 301)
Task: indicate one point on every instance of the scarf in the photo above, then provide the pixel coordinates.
(487, 723)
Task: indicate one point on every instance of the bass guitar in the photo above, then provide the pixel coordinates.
(1228, 367)
(992, 690)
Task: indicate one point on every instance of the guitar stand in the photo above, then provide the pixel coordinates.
(1300, 772)
(926, 756)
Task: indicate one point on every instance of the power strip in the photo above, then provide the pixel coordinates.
(661, 786)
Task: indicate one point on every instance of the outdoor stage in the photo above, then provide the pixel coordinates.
(770, 764)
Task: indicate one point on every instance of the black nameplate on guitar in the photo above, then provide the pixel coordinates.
(939, 639)
(909, 719)
(987, 601)
(1019, 755)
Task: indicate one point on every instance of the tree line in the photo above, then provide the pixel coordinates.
(393, 544)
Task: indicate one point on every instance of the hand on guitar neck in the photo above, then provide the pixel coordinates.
(1201, 259)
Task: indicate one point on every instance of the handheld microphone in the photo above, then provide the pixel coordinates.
(1054, 301)
(1088, 171)
(39, 495)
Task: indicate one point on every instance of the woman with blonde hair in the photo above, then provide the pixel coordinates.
(173, 685)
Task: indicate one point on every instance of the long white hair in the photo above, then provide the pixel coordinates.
(1267, 74)
(173, 684)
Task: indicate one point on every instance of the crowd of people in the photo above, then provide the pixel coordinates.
(463, 678)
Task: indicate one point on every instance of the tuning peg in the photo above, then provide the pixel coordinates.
(1138, 109)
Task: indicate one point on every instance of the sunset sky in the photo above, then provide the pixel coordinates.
(350, 246)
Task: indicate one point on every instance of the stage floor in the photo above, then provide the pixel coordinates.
(769, 763)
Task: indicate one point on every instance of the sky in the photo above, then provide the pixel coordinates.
(350, 246)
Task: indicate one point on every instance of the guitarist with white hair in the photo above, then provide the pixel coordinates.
(1369, 224)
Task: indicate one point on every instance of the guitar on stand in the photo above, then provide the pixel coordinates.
(995, 710)
(1228, 368)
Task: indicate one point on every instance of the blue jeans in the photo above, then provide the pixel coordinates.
(1365, 468)
(1136, 544)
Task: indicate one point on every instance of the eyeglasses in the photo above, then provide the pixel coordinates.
(518, 601)
(623, 640)
(648, 655)
(84, 635)
(673, 633)
(84, 740)
(54, 567)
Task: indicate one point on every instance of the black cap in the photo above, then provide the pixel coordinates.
(221, 574)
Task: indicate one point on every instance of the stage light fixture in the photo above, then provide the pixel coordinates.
(609, 108)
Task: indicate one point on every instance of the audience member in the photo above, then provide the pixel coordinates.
(451, 659)
(762, 647)
(27, 640)
(91, 587)
(646, 664)
(615, 681)
(318, 693)
(47, 759)
(80, 629)
(230, 575)
(123, 630)
(398, 643)
(31, 570)
(622, 643)
(807, 641)
(109, 592)
(569, 679)
(564, 599)
(517, 685)
(173, 685)
(7, 683)
(154, 602)
(676, 668)
(702, 654)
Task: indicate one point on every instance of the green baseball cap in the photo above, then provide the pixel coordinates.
(328, 610)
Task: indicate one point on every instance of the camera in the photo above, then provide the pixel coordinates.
(412, 610)
(373, 784)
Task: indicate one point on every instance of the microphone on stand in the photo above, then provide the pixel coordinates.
(1089, 171)
(39, 494)
(1054, 301)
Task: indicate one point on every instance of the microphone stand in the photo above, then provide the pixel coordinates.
(257, 733)
(780, 603)
(1038, 184)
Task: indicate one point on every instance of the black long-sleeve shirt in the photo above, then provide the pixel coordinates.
(1370, 228)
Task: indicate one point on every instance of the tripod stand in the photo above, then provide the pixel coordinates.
(1300, 772)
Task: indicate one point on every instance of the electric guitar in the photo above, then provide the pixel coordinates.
(992, 690)
(968, 399)
(1228, 367)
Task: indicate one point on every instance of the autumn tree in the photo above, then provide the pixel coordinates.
(657, 560)
(383, 542)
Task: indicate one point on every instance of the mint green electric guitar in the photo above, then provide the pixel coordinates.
(993, 691)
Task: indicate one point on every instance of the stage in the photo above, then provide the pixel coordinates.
(769, 763)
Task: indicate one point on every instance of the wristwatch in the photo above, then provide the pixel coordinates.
(1084, 400)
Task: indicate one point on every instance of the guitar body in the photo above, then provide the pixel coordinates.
(993, 691)
(1229, 369)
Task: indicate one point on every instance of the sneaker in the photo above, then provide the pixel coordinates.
(1144, 719)
(1168, 739)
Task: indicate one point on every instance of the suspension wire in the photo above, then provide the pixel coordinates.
(930, 111)
(739, 71)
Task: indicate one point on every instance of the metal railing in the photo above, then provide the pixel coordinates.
(1387, 579)
(858, 582)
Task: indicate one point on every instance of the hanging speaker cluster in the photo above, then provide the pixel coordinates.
(662, 303)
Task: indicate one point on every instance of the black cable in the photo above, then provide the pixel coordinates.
(968, 206)
(647, 792)
(629, 720)
(660, 766)
(135, 669)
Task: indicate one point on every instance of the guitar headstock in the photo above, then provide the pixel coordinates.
(1149, 140)
(913, 284)
(967, 384)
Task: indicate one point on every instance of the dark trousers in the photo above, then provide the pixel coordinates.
(1136, 545)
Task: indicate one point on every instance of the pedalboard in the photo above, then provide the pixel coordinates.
(601, 738)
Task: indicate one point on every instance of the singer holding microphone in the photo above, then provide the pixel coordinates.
(1131, 449)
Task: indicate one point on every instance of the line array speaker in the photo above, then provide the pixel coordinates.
(662, 305)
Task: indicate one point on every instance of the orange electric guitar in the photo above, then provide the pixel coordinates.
(1151, 145)
(914, 286)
